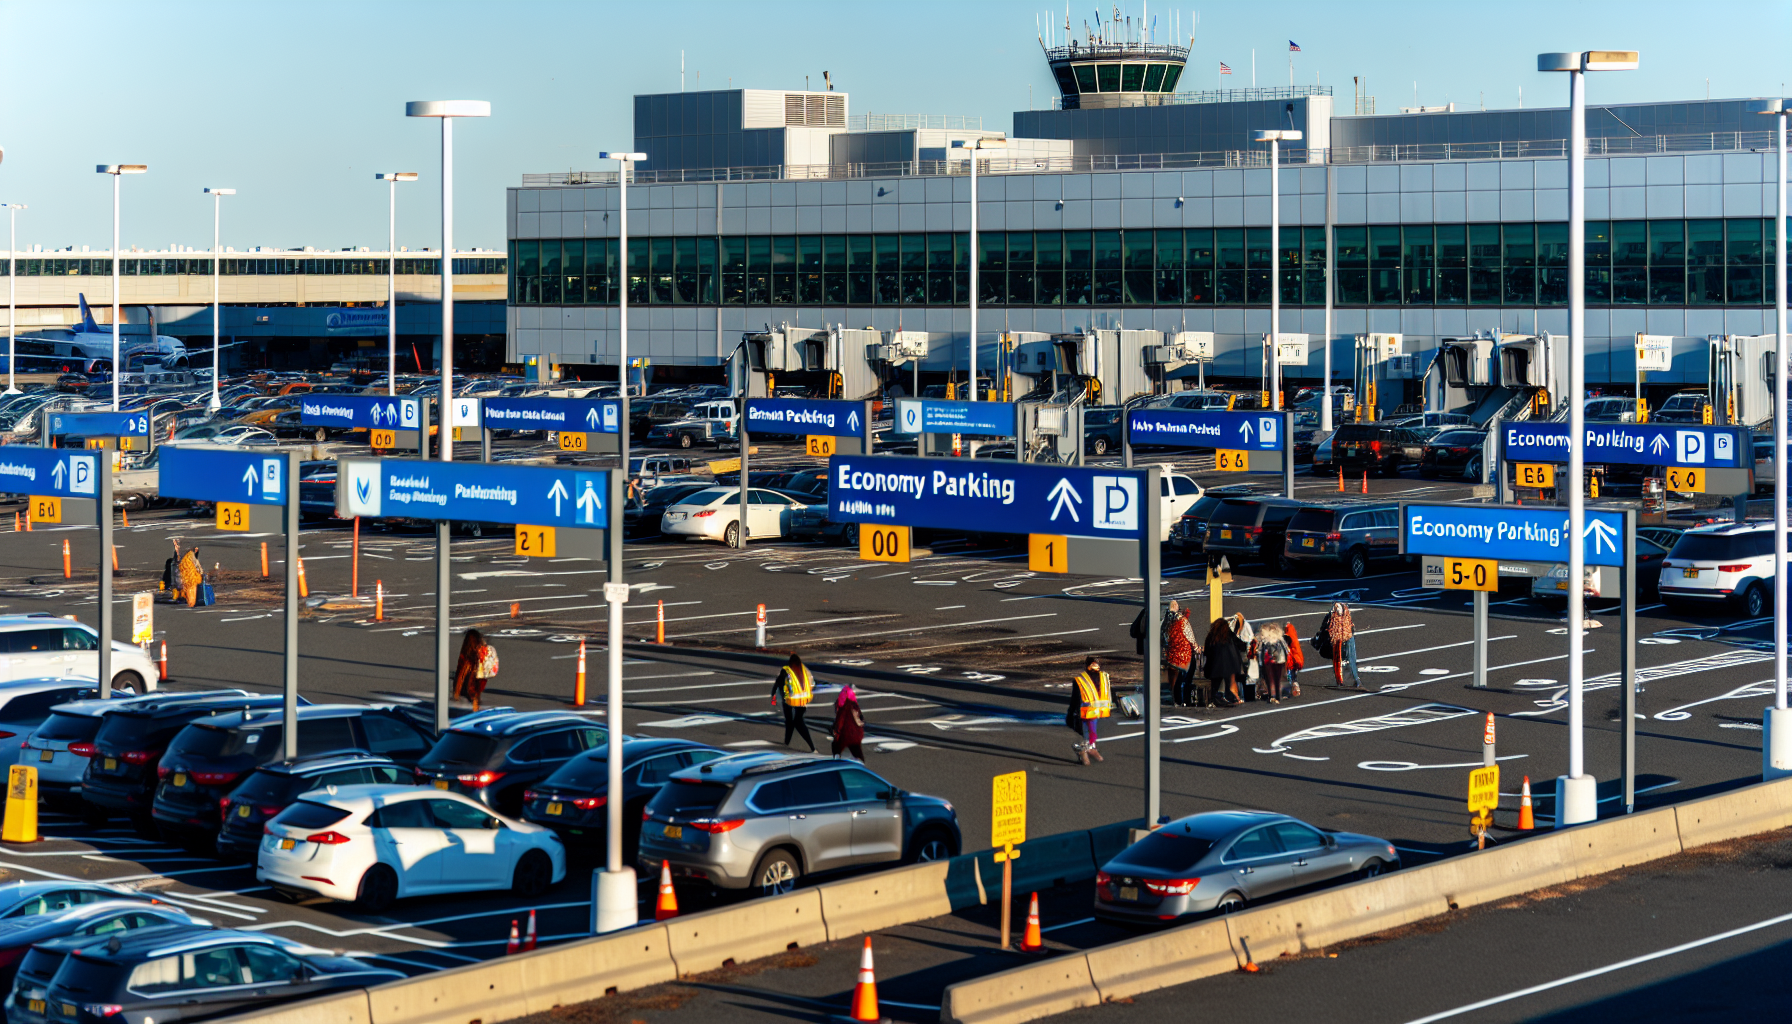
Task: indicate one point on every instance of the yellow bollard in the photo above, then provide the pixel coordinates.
(21, 805)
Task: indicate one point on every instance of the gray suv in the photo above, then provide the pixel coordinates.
(764, 820)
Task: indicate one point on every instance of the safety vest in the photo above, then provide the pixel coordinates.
(1098, 700)
(798, 691)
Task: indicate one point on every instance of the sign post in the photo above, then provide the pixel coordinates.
(1008, 829)
(68, 483)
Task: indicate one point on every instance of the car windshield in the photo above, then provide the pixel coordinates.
(205, 741)
(65, 728)
(89, 977)
(1683, 402)
(1235, 511)
(590, 770)
(683, 799)
(1357, 432)
(1316, 520)
(1204, 506)
(1100, 417)
(1722, 546)
(125, 731)
(1165, 850)
(1458, 438)
(306, 814)
(267, 788)
(456, 747)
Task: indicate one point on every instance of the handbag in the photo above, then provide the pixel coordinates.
(488, 662)
(1251, 673)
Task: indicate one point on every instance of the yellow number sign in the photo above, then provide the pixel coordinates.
(821, 445)
(535, 541)
(1047, 552)
(45, 509)
(1536, 474)
(1471, 574)
(1484, 790)
(382, 438)
(233, 516)
(884, 543)
(573, 441)
(1230, 461)
(1008, 810)
(1691, 481)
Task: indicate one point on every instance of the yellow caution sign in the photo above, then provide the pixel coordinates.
(1048, 552)
(233, 516)
(44, 509)
(1007, 810)
(1536, 474)
(884, 543)
(574, 441)
(1484, 790)
(1227, 461)
(821, 445)
(535, 541)
(382, 438)
(21, 805)
(1679, 478)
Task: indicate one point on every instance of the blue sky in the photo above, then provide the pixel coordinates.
(296, 105)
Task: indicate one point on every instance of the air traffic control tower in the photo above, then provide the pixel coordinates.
(1099, 72)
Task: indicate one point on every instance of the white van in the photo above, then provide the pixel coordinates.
(720, 414)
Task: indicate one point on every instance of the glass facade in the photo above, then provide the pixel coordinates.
(159, 267)
(1629, 263)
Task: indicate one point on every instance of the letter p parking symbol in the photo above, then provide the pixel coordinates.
(1116, 503)
(1689, 447)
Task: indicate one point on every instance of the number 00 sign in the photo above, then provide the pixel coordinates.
(884, 543)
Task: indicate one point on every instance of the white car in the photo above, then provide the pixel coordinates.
(714, 514)
(1721, 564)
(43, 647)
(374, 844)
(1179, 494)
(25, 703)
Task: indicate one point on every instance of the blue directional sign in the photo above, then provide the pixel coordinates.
(99, 424)
(1189, 428)
(1631, 444)
(58, 472)
(380, 412)
(807, 416)
(979, 494)
(590, 415)
(1527, 533)
(215, 474)
(472, 492)
(928, 416)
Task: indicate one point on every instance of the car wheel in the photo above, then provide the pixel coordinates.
(1753, 601)
(128, 681)
(933, 844)
(1231, 903)
(684, 440)
(378, 888)
(1281, 562)
(850, 535)
(1100, 447)
(1357, 563)
(777, 873)
(534, 873)
(1472, 471)
(1371, 868)
(731, 536)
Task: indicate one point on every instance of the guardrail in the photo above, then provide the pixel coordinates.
(585, 969)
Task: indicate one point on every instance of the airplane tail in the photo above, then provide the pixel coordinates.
(87, 321)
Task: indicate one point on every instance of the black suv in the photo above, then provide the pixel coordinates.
(192, 975)
(644, 416)
(271, 788)
(494, 756)
(1369, 448)
(127, 749)
(574, 800)
(26, 1005)
(207, 759)
(1344, 533)
(1251, 530)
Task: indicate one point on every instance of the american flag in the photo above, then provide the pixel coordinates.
(1293, 47)
(1224, 68)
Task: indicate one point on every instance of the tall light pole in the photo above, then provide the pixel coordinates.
(1275, 140)
(217, 195)
(616, 885)
(1776, 724)
(12, 314)
(392, 179)
(1576, 792)
(974, 145)
(117, 170)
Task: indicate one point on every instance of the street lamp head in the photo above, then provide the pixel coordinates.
(448, 108)
(1588, 60)
(13, 206)
(1276, 135)
(397, 176)
(220, 191)
(626, 157)
(121, 168)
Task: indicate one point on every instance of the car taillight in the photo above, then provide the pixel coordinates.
(529, 794)
(480, 780)
(714, 826)
(1171, 886)
(223, 805)
(331, 838)
(590, 803)
(1458, 451)
(705, 512)
(1254, 531)
(1334, 536)
(137, 756)
(1375, 446)
(1733, 568)
(102, 1009)
(269, 811)
(81, 749)
(1104, 885)
(214, 778)
(163, 771)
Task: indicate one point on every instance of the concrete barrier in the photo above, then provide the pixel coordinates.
(348, 1007)
(1024, 993)
(1045, 863)
(746, 931)
(1759, 808)
(1503, 871)
(485, 992)
(1333, 915)
(855, 906)
(1170, 958)
(1615, 843)
(587, 969)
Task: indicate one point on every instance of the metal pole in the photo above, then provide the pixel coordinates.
(103, 507)
(1151, 565)
(974, 262)
(117, 266)
(1627, 662)
(613, 721)
(1480, 639)
(1331, 202)
(622, 169)
(1777, 734)
(1288, 455)
(12, 316)
(447, 435)
(392, 285)
(1576, 799)
(217, 216)
(443, 665)
(746, 444)
(1275, 279)
(291, 683)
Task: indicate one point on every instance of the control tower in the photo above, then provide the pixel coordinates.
(1114, 65)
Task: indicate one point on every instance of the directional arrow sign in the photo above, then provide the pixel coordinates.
(559, 493)
(1527, 533)
(221, 474)
(987, 496)
(58, 472)
(359, 411)
(1064, 499)
(1631, 444)
(473, 492)
(930, 416)
(795, 416)
(99, 424)
(1188, 428)
(592, 415)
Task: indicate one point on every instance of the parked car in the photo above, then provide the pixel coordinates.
(713, 514)
(83, 920)
(1324, 463)
(573, 801)
(271, 788)
(29, 899)
(1453, 453)
(1350, 534)
(61, 747)
(1727, 563)
(681, 433)
(643, 416)
(1177, 493)
(641, 517)
(765, 820)
(1102, 428)
(493, 756)
(39, 646)
(1609, 410)
(375, 844)
(1222, 861)
(1685, 407)
(25, 1003)
(191, 975)
(1251, 530)
(1412, 442)
(1650, 557)
(208, 758)
(1190, 531)
(121, 775)
(26, 703)
(1368, 448)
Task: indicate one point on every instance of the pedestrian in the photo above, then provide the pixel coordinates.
(1247, 638)
(1224, 655)
(1272, 655)
(795, 688)
(849, 724)
(1340, 635)
(477, 665)
(1296, 659)
(1091, 701)
(1179, 655)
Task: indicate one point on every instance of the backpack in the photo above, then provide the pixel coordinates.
(1322, 640)
(488, 662)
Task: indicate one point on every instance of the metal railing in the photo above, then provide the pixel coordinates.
(909, 122)
(1098, 50)
(1268, 92)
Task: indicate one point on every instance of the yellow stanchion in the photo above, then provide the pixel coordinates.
(21, 805)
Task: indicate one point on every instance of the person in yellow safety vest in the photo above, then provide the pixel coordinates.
(795, 688)
(1093, 701)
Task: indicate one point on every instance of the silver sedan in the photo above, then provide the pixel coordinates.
(1222, 860)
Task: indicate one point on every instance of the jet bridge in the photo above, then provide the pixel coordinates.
(1484, 374)
(1742, 380)
(1108, 366)
(831, 363)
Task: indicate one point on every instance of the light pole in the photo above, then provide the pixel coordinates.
(392, 179)
(217, 195)
(1275, 140)
(1776, 724)
(616, 884)
(1576, 792)
(974, 145)
(12, 273)
(116, 170)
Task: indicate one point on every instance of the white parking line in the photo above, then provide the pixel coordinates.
(916, 629)
(993, 640)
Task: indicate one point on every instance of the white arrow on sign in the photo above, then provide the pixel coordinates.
(250, 479)
(587, 503)
(58, 473)
(1605, 535)
(1065, 495)
(852, 421)
(591, 418)
(558, 493)
(1659, 445)
(1245, 428)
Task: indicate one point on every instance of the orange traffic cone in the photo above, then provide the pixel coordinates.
(162, 663)
(1032, 941)
(510, 947)
(1340, 479)
(864, 994)
(668, 905)
(1365, 481)
(67, 571)
(1526, 819)
(529, 933)
(379, 600)
(578, 682)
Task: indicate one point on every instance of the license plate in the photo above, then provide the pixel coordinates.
(441, 783)
(674, 517)
(674, 831)
(1225, 534)
(286, 844)
(1129, 893)
(180, 779)
(111, 764)
(1306, 542)
(1561, 584)
(554, 808)
(47, 755)
(36, 1005)
(242, 811)
(1691, 574)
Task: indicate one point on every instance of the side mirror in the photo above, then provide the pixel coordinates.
(493, 822)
